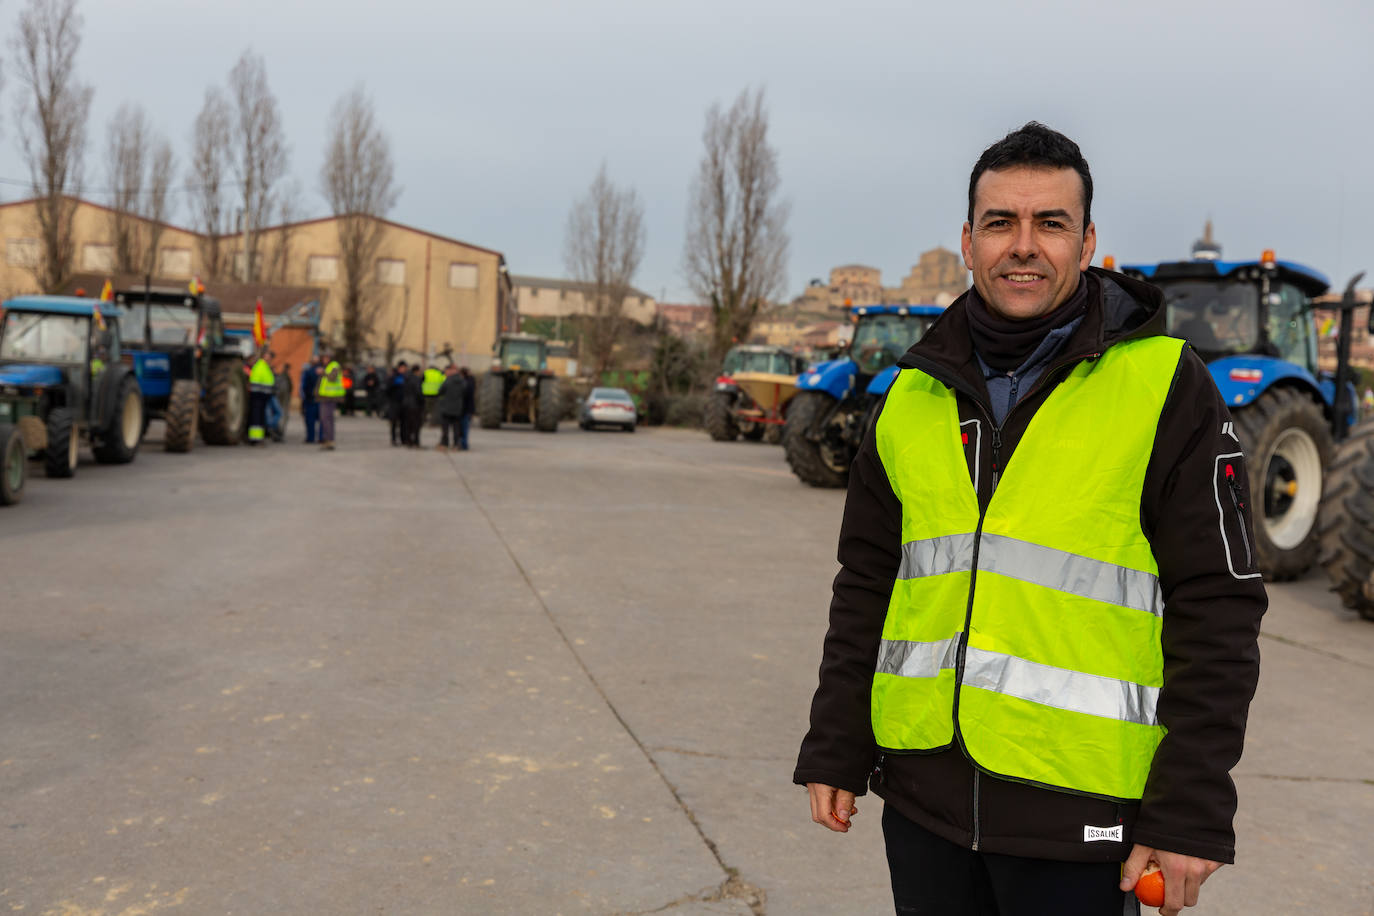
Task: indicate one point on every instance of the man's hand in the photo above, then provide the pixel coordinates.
(1183, 875)
(831, 807)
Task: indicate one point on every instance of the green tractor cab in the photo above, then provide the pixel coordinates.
(519, 388)
(63, 377)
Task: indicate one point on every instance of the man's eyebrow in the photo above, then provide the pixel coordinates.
(1038, 214)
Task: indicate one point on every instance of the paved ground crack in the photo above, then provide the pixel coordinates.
(733, 887)
(664, 749)
(1281, 777)
(1327, 652)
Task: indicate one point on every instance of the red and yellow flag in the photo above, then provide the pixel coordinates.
(196, 286)
(107, 292)
(259, 329)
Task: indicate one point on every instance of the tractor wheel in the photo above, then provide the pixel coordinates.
(491, 401)
(182, 416)
(59, 458)
(550, 406)
(818, 463)
(1287, 449)
(719, 420)
(14, 464)
(123, 428)
(1346, 522)
(224, 414)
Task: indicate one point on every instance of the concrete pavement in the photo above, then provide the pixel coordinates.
(555, 674)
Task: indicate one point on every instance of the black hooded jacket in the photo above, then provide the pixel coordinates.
(1199, 526)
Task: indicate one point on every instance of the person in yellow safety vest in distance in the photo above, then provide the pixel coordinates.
(433, 381)
(1043, 634)
(329, 393)
(261, 383)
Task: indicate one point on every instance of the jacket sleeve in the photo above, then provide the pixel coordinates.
(1196, 511)
(839, 749)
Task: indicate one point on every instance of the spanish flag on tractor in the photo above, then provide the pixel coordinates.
(259, 329)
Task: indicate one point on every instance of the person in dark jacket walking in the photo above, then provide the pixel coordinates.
(413, 406)
(395, 390)
(1043, 635)
(450, 398)
(372, 385)
(310, 405)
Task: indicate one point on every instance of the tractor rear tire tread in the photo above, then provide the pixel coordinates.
(14, 457)
(802, 454)
(111, 447)
(61, 431)
(224, 417)
(182, 416)
(549, 408)
(491, 401)
(718, 419)
(1346, 522)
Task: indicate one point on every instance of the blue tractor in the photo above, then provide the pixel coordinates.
(191, 372)
(1251, 321)
(828, 416)
(63, 378)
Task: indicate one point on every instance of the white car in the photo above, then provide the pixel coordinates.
(609, 407)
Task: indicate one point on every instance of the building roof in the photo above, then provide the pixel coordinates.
(559, 283)
(233, 298)
(274, 228)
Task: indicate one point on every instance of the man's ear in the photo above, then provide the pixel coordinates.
(966, 245)
(1089, 246)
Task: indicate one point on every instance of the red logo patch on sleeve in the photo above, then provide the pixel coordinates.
(965, 438)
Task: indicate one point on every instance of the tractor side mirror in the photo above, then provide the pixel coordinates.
(1348, 300)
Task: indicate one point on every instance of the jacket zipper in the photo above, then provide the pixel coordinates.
(1234, 486)
(876, 777)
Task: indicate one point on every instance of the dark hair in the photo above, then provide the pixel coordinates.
(1036, 145)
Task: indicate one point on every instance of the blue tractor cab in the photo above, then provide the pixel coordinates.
(63, 376)
(836, 398)
(1251, 322)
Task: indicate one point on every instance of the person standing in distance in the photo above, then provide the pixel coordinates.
(329, 392)
(1043, 635)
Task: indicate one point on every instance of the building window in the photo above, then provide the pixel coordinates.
(391, 272)
(22, 252)
(321, 268)
(462, 276)
(97, 257)
(174, 262)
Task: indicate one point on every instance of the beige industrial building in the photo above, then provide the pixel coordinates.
(550, 297)
(938, 278)
(433, 294)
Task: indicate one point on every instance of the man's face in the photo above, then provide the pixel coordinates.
(1026, 245)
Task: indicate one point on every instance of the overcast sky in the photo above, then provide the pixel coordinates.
(499, 113)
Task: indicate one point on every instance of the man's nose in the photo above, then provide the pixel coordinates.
(1023, 245)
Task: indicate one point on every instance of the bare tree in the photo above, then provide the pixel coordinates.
(736, 250)
(52, 115)
(358, 180)
(259, 152)
(289, 210)
(603, 248)
(209, 175)
(140, 169)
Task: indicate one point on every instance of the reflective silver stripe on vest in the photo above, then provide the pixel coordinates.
(917, 659)
(934, 556)
(1069, 572)
(1061, 688)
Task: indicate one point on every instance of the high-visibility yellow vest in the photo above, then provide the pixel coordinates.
(335, 389)
(433, 379)
(262, 380)
(1035, 629)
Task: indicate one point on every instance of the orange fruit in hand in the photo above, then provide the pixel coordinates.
(1149, 890)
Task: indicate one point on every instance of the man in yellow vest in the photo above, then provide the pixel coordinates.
(1042, 642)
(329, 393)
(262, 381)
(433, 381)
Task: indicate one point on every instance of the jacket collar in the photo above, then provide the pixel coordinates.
(1119, 308)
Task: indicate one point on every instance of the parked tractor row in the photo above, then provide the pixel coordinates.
(75, 369)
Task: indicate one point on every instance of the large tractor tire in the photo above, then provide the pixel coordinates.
(14, 464)
(224, 413)
(122, 429)
(182, 416)
(1287, 449)
(549, 408)
(1346, 522)
(816, 463)
(64, 439)
(491, 401)
(719, 419)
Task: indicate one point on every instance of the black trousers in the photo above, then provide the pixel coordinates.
(414, 418)
(398, 429)
(933, 877)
